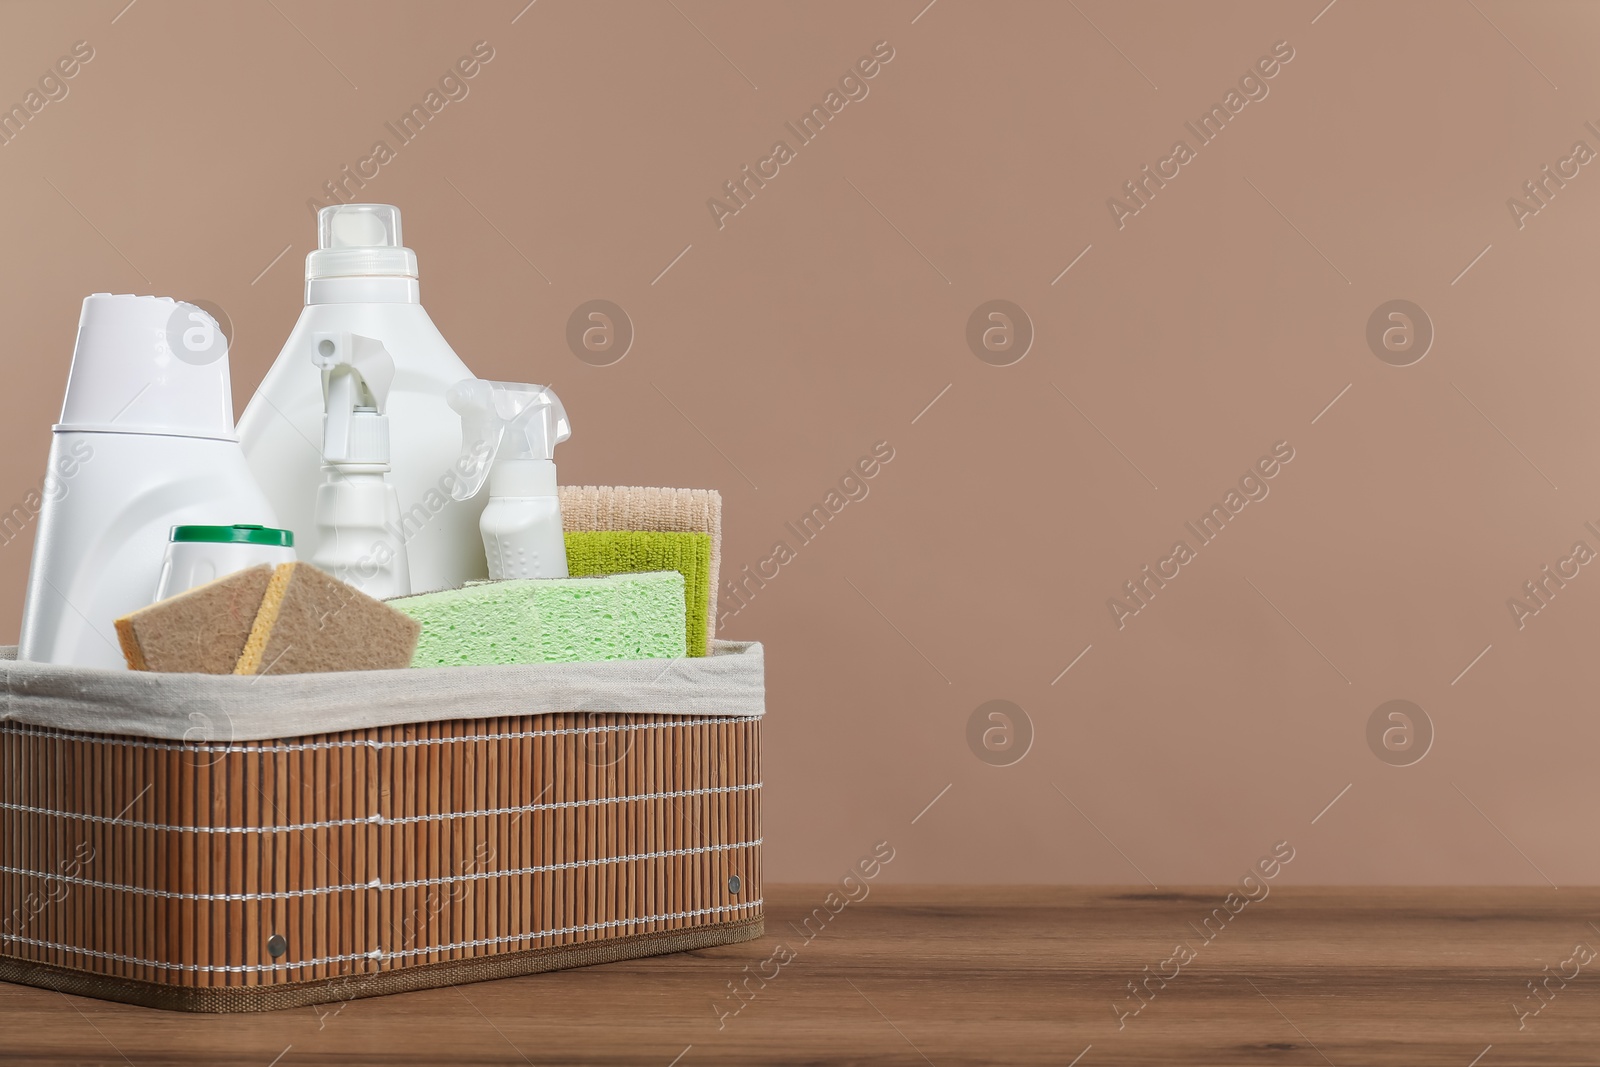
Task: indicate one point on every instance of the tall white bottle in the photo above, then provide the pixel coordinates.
(362, 280)
(145, 442)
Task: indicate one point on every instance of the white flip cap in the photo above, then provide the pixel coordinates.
(360, 241)
(148, 364)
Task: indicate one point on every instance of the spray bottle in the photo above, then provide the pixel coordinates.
(359, 538)
(509, 434)
(363, 280)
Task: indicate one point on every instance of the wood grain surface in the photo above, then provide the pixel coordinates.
(948, 976)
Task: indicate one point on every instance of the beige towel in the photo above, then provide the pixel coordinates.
(610, 507)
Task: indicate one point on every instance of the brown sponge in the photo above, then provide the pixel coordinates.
(310, 621)
(202, 631)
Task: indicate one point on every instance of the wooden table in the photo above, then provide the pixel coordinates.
(950, 976)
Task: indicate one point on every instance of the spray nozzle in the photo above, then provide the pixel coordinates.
(503, 421)
(356, 374)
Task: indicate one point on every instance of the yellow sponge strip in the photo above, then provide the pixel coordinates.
(255, 646)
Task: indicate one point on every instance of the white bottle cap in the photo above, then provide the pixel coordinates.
(360, 241)
(367, 442)
(148, 364)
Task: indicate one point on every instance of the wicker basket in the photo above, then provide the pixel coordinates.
(264, 874)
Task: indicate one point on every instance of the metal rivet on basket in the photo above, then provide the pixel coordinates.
(277, 946)
(733, 884)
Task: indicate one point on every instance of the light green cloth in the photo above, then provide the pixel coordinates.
(592, 552)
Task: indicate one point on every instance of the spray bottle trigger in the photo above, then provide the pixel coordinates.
(357, 372)
(563, 426)
(481, 433)
(365, 357)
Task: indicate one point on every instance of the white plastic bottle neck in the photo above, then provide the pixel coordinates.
(357, 472)
(367, 289)
(523, 478)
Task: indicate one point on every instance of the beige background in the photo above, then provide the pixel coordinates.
(829, 313)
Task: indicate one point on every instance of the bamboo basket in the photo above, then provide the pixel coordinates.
(254, 875)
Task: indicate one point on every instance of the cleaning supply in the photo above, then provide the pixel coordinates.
(201, 631)
(512, 431)
(591, 507)
(311, 622)
(550, 620)
(358, 513)
(200, 554)
(147, 429)
(362, 280)
(591, 552)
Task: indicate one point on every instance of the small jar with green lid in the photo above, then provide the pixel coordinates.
(200, 554)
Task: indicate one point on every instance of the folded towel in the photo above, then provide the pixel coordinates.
(595, 552)
(550, 620)
(609, 507)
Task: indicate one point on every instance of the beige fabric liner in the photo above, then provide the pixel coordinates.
(225, 708)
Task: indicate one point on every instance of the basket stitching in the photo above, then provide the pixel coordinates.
(375, 820)
(28, 730)
(295, 894)
(380, 954)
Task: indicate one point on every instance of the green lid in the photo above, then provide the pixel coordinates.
(237, 534)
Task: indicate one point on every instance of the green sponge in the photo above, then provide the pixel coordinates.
(550, 620)
(619, 551)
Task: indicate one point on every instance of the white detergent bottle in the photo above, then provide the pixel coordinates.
(362, 280)
(509, 434)
(145, 443)
(358, 528)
